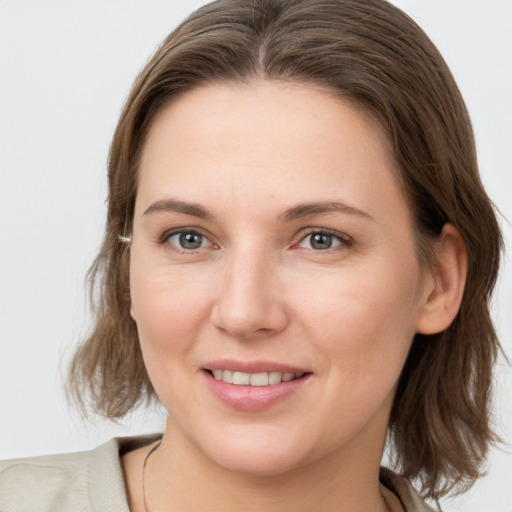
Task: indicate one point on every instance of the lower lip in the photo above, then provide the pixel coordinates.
(252, 398)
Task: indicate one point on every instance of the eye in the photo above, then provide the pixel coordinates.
(324, 240)
(188, 240)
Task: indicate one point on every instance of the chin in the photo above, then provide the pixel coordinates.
(258, 465)
(257, 454)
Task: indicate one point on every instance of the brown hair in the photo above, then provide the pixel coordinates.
(373, 54)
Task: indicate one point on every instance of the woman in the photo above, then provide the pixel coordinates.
(298, 261)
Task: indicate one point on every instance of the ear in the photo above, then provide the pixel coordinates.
(444, 286)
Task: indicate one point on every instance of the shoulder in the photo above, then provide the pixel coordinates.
(60, 482)
(402, 488)
(84, 481)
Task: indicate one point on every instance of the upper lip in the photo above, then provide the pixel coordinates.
(253, 366)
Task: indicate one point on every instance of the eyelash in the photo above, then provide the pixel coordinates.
(165, 239)
(343, 239)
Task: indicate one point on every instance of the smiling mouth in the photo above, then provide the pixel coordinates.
(254, 379)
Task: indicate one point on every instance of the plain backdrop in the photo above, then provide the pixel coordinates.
(65, 70)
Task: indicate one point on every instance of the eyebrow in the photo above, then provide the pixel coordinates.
(298, 211)
(309, 209)
(173, 205)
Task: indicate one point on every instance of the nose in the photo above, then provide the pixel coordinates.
(250, 301)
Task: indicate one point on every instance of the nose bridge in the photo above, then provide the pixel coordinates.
(248, 300)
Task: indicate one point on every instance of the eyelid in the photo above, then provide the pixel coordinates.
(345, 240)
(164, 239)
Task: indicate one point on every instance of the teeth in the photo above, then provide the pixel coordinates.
(259, 379)
(241, 378)
(254, 379)
(274, 377)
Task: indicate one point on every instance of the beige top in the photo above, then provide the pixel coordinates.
(93, 481)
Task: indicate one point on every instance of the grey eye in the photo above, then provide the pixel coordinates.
(188, 240)
(322, 241)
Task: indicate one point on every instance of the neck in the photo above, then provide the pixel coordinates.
(179, 477)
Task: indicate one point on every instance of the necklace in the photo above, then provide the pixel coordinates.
(155, 448)
(388, 508)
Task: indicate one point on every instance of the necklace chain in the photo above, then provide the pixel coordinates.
(388, 508)
(155, 448)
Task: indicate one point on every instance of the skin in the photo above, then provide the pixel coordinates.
(258, 290)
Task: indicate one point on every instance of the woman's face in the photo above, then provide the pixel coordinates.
(272, 241)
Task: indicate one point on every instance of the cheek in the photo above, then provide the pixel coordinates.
(170, 315)
(363, 321)
(169, 309)
(363, 330)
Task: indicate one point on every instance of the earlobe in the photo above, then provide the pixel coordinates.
(444, 287)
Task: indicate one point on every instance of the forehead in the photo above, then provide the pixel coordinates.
(233, 144)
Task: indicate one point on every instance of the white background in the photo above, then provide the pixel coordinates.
(65, 69)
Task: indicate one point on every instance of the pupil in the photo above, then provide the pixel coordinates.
(191, 240)
(321, 241)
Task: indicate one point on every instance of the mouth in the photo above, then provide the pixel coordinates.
(252, 386)
(260, 379)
